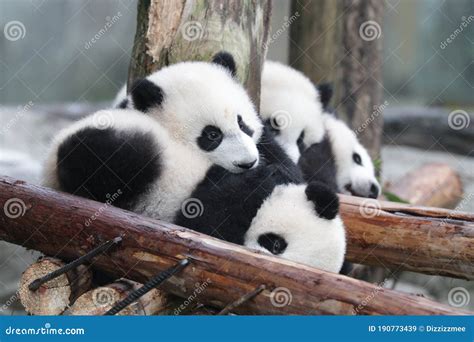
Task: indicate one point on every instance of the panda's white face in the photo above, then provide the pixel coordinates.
(290, 103)
(202, 106)
(355, 170)
(288, 225)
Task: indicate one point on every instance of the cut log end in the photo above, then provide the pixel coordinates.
(432, 185)
(54, 296)
(98, 301)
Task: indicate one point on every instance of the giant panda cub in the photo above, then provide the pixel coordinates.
(191, 140)
(323, 146)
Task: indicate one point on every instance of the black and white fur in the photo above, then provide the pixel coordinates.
(323, 146)
(160, 173)
(201, 102)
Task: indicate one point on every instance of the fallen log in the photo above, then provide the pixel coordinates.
(101, 299)
(54, 223)
(53, 297)
(403, 237)
(432, 185)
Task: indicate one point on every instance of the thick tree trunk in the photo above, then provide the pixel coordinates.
(359, 82)
(170, 31)
(340, 41)
(314, 39)
(54, 224)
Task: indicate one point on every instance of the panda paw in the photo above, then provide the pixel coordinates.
(325, 200)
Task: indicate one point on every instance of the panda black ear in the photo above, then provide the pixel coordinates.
(326, 202)
(325, 93)
(226, 60)
(146, 94)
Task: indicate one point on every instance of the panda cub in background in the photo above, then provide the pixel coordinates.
(190, 139)
(323, 146)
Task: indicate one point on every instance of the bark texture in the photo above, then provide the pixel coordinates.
(170, 31)
(52, 222)
(341, 42)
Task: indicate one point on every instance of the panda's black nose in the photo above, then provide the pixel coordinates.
(374, 190)
(247, 165)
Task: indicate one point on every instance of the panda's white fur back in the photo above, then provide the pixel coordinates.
(288, 96)
(182, 168)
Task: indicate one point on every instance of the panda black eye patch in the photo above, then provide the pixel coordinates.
(210, 138)
(356, 158)
(243, 126)
(274, 243)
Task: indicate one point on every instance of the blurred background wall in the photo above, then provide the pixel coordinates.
(57, 61)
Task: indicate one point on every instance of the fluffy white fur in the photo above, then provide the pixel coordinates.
(289, 91)
(178, 177)
(287, 211)
(311, 240)
(288, 96)
(197, 94)
(344, 143)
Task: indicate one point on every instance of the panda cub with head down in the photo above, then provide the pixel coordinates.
(190, 135)
(323, 146)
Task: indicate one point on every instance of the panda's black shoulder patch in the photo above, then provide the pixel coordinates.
(272, 154)
(326, 202)
(325, 93)
(98, 163)
(272, 242)
(317, 163)
(226, 60)
(146, 94)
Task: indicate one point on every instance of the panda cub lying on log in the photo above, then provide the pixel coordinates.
(191, 149)
(324, 147)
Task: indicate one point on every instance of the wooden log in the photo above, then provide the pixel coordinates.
(54, 222)
(101, 299)
(170, 31)
(403, 237)
(432, 185)
(54, 296)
